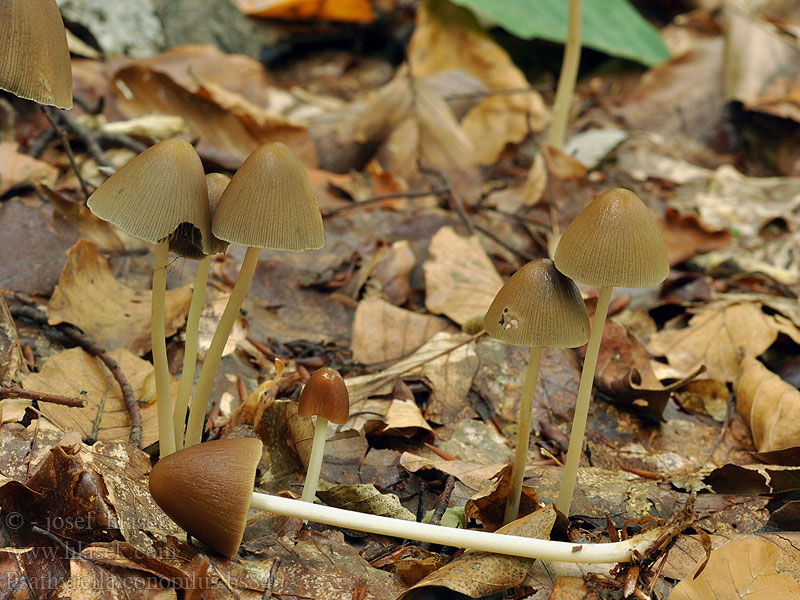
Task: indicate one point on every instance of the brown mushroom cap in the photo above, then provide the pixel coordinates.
(216, 184)
(269, 203)
(538, 307)
(614, 241)
(158, 194)
(34, 57)
(326, 395)
(206, 489)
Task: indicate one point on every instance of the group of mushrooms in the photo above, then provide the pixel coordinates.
(164, 197)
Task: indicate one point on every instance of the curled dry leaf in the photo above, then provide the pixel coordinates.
(769, 405)
(460, 279)
(365, 498)
(112, 314)
(471, 474)
(488, 505)
(18, 169)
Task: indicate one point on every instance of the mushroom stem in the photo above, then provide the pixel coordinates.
(582, 404)
(512, 545)
(523, 436)
(190, 350)
(567, 77)
(202, 392)
(158, 335)
(315, 460)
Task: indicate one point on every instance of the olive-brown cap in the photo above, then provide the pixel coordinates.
(160, 193)
(325, 395)
(538, 307)
(206, 489)
(614, 242)
(34, 57)
(216, 184)
(269, 203)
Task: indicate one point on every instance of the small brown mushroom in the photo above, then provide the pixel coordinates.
(614, 241)
(540, 308)
(324, 396)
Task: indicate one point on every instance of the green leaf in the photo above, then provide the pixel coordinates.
(611, 26)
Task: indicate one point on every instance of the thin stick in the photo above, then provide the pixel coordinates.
(315, 460)
(18, 392)
(523, 436)
(166, 433)
(498, 542)
(190, 351)
(68, 150)
(567, 77)
(582, 404)
(202, 392)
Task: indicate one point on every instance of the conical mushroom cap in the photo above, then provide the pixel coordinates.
(269, 203)
(206, 489)
(160, 193)
(34, 57)
(216, 184)
(326, 395)
(538, 307)
(614, 241)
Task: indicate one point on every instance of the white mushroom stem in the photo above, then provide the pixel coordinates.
(158, 335)
(567, 77)
(582, 404)
(523, 436)
(315, 460)
(498, 543)
(190, 350)
(202, 392)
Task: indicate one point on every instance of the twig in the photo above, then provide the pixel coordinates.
(18, 392)
(88, 138)
(376, 199)
(39, 145)
(441, 505)
(120, 139)
(68, 149)
(523, 255)
(31, 313)
(273, 573)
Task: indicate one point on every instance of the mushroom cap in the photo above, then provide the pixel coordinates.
(216, 184)
(34, 57)
(538, 307)
(269, 203)
(614, 241)
(206, 489)
(325, 395)
(158, 194)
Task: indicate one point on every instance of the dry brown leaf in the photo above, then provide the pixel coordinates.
(447, 37)
(11, 360)
(473, 475)
(404, 417)
(384, 332)
(716, 337)
(18, 169)
(744, 568)
(480, 574)
(354, 11)
(111, 313)
(488, 505)
(365, 498)
(75, 373)
(687, 235)
(769, 405)
(460, 279)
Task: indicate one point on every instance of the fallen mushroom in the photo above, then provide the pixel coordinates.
(538, 307)
(614, 241)
(160, 196)
(207, 489)
(269, 203)
(34, 57)
(324, 396)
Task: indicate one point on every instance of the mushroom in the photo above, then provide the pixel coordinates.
(567, 77)
(268, 203)
(216, 184)
(160, 196)
(206, 490)
(614, 241)
(540, 308)
(324, 396)
(34, 57)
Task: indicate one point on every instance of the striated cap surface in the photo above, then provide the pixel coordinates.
(206, 489)
(269, 203)
(216, 184)
(326, 395)
(614, 241)
(538, 307)
(158, 194)
(34, 57)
